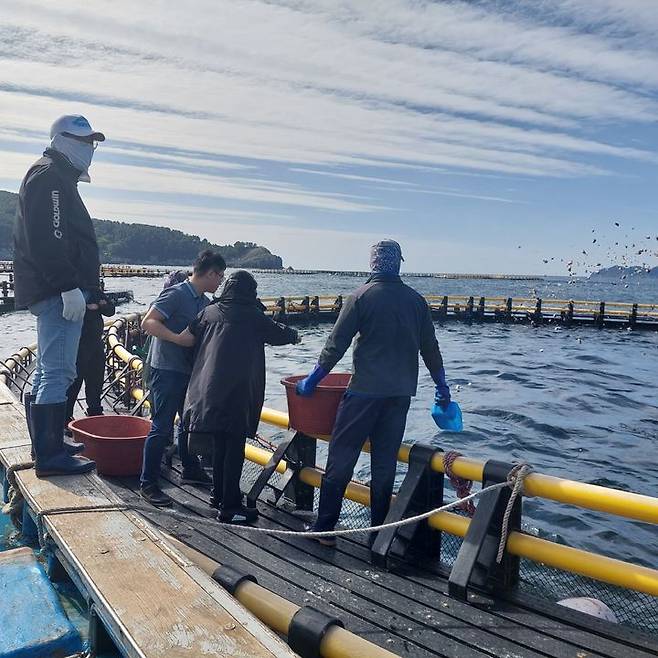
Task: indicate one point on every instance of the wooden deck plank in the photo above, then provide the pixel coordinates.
(412, 617)
(358, 618)
(460, 623)
(352, 558)
(548, 635)
(149, 595)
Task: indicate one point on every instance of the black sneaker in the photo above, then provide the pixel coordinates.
(196, 476)
(152, 493)
(241, 515)
(330, 542)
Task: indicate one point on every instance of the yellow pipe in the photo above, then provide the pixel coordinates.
(591, 565)
(252, 453)
(359, 493)
(277, 613)
(566, 558)
(594, 497)
(590, 496)
(271, 609)
(274, 417)
(262, 457)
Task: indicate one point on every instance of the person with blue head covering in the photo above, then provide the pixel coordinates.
(392, 324)
(386, 257)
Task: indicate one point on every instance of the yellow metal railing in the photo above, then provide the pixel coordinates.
(518, 305)
(590, 496)
(574, 560)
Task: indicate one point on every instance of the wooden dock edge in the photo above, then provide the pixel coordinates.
(153, 601)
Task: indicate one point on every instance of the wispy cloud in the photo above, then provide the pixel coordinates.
(316, 109)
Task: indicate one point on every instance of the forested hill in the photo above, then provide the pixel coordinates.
(123, 242)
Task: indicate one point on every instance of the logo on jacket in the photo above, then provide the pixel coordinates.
(56, 223)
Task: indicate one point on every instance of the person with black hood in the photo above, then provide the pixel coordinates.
(392, 323)
(56, 268)
(90, 364)
(227, 386)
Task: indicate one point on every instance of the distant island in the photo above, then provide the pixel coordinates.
(123, 242)
(617, 272)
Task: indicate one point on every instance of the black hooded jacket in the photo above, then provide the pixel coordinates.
(227, 385)
(55, 246)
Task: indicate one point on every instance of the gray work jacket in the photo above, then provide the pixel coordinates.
(394, 324)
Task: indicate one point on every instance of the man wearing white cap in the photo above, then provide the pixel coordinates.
(56, 267)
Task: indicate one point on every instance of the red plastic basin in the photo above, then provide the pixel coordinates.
(315, 414)
(115, 443)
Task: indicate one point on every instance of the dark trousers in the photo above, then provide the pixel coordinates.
(168, 389)
(383, 421)
(227, 462)
(90, 367)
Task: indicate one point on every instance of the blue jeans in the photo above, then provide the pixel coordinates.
(57, 351)
(168, 389)
(381, 419)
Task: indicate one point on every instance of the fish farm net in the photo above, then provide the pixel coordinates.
(631, 608)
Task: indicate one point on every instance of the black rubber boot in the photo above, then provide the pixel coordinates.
(28, 399)
(71, 447)
(51, 458)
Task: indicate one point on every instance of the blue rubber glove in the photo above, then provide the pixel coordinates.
(442, 395)
(306, 386)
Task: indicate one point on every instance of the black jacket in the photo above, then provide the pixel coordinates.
(92, 327)
(227, 385)
(55, 246)
(393, 323)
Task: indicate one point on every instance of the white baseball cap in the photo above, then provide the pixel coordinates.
(77, 125)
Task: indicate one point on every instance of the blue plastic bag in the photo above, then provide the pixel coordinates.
(449, 418)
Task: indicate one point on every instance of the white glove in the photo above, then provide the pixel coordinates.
(75, 305)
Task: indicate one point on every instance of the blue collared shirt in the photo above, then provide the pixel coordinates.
(179, 305)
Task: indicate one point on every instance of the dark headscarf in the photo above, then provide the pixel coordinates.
(385, 257)
(240, 288)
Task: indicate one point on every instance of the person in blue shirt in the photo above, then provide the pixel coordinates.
(170, 368)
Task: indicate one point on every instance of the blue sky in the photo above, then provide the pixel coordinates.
(485, 136)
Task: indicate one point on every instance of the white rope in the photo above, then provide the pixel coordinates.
(515, 479)
(122, 507)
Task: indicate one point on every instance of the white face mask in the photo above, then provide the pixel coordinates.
(78, 153)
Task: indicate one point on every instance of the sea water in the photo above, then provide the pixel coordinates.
(575, 402)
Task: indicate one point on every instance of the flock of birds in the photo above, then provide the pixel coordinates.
(623, 251)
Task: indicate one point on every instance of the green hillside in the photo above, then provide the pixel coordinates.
(123, 242)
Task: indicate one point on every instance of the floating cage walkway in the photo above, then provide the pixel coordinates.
(7, 267)
(474, 310)
(7, 303)
(432, 591)
(423, 275)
